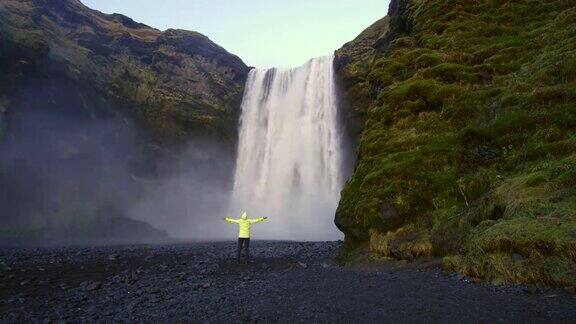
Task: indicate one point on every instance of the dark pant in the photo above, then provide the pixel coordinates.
(246, 243)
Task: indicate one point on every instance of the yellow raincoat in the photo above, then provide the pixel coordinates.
(244, 224)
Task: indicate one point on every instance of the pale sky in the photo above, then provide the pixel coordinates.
(263, 33)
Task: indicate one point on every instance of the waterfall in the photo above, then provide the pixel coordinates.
(289, 163)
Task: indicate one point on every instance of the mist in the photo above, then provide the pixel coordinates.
(75, 170)
(191, 198)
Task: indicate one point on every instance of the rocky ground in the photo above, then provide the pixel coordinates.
(287, 282)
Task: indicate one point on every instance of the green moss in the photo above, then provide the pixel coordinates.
(452, 73)
(406, 243)
(504, 71)
(387, 72)
(428, 60)
(544, 249)
(403, 42)
(432, 94)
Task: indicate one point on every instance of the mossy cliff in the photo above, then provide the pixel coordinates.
(178, 82)
(468, 149)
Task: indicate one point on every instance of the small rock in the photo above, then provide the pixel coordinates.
(206, 285)
(303, 265)
(570, 290)
(517, 257)
(325, 265)
(532, 290)
(154, 291)
(113, 257)
(24, 282)
(91, 285)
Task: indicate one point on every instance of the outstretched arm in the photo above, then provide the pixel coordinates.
(258, 220)
(231, 220)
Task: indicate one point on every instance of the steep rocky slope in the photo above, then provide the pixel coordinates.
(95, 110)
(351, 72)
(177, 81)
(468, 148)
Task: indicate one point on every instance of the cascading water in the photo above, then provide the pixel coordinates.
(289, 164)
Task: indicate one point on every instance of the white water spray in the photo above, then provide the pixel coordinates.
(289, 164)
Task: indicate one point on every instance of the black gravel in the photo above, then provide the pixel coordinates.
(287, 282)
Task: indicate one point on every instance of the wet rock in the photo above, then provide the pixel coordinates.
(517, 257)
(206, 285)
(532, 290)
(154, 291)
(91, 285)
(130, 308)
(240, 290)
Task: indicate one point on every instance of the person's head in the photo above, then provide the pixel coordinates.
(244, 215)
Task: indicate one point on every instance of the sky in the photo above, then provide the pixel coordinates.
(263, 33)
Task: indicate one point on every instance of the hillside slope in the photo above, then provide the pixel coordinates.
(468, 150)
(95, 113)
(177, 81)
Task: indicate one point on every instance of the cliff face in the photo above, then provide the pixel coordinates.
(467, 148)
(95, 110)
(349, 62)
(178, 82)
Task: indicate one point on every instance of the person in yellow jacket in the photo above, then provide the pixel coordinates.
(244, 224)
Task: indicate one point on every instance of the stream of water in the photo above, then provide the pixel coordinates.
(289, 164)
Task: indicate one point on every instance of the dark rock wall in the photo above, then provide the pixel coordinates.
(178, 81)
